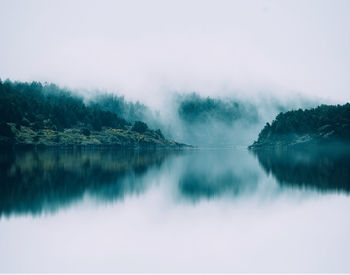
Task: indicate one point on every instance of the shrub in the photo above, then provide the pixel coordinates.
(36, 138)
(139, 127)
(86, 132)
(5, 130)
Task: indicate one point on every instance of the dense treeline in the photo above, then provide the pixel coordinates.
(47, 106)
(325, 121)
(196, 109)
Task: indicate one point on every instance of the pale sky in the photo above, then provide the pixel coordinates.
(144, 49)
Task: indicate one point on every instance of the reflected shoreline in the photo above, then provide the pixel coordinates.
(323, 169)
(39, 181)
(36, 181)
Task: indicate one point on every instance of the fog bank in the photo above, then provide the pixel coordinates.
(146, 50)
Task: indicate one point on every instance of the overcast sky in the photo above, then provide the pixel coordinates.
(145, 49)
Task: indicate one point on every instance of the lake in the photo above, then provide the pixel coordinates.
(205, 210)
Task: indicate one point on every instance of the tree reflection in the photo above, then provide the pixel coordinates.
(35, 181)
(323, 169)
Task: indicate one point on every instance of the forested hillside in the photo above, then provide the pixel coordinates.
(326, 123)
(36, 113)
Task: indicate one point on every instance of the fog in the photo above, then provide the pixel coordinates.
(204, 120)
(144, 50)
(222, 121)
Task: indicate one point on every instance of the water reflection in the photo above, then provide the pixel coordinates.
(212, 173)
(321, 169)
(191, 211)
(33, 182)
(36, 181)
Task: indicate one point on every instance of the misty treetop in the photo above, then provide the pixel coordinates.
(46, 105)
(196, 109)
(130, 111)
(324, 123)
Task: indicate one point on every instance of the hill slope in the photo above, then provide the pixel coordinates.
(44, 114)
(324, 124)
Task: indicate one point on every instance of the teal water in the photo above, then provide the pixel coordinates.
(210, 210)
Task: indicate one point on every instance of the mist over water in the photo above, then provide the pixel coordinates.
(225, 121)
(204, 121)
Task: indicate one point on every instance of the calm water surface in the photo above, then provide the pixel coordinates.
(194, 211)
